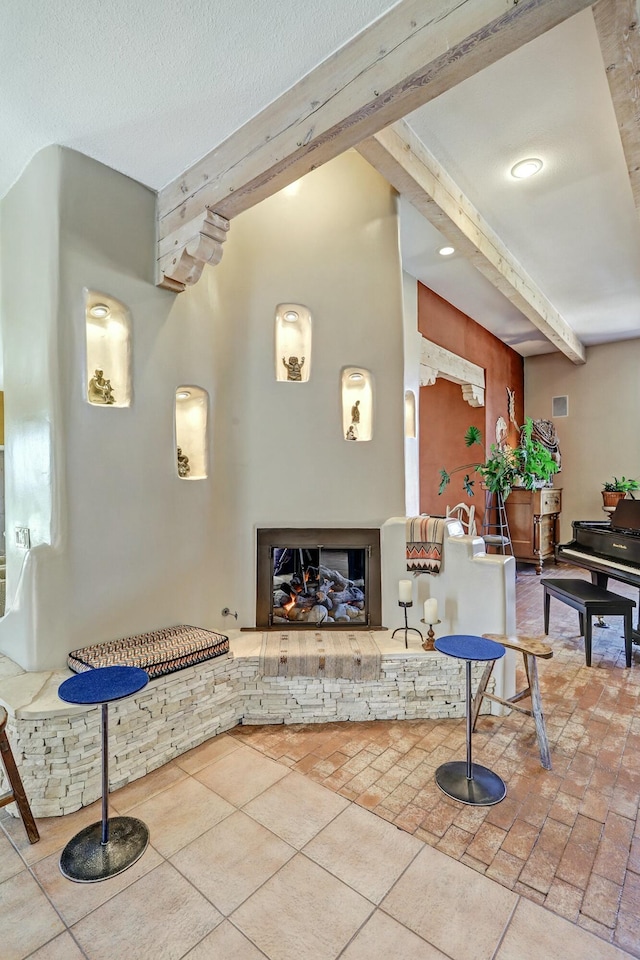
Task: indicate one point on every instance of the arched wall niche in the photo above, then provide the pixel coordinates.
(191, 416)
(108, 351)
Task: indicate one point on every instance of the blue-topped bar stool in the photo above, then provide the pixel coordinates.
(108, 847)
(467, 781)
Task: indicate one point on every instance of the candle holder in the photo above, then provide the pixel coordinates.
(406, 628)
(428, 643)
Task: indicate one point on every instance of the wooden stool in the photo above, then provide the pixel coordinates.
(17, 793)
(530, 648)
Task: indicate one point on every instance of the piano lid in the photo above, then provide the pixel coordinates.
(626, 516)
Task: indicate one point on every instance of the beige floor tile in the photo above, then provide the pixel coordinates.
(225, 943)
(241, 775)
(207, 752)
(27, 919)
(383, 937)
(146, 787)
(55, 832)
(63, 947)
(535, 932)
(296, 808)
(365, 851)
(75, 900)
(456, 909)
(229, 862)
(302, 912)
(181, 813)
(160, 916)
(10, 861)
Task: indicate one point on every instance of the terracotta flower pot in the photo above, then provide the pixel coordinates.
(610, 497)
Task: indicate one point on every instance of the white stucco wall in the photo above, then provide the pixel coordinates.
(599, 438)
(121, 543)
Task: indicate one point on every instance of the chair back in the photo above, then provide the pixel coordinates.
(466, 514)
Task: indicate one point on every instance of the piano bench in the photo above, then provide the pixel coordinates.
(530, 648)
(590, 601)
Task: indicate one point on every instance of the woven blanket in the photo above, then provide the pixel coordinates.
(424, 544)
(345, 654)
(159, 652)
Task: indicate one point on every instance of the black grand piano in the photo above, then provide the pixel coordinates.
(608, 549)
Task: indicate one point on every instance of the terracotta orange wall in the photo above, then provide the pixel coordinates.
(445, 416)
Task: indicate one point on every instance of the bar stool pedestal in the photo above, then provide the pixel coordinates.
(464, 780)
(106, 848)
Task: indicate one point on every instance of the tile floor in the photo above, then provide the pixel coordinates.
(264, 843)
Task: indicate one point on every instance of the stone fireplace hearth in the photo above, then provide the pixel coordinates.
(318, 578)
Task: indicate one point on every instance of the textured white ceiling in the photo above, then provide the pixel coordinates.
(148, 88)
(573, 226)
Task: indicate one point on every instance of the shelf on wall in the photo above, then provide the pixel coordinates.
(357, 404)
(292, 343)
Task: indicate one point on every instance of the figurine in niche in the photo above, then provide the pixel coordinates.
(100, 390)
(355, 412)
(351, 433)
(183, 464)
(294, 368)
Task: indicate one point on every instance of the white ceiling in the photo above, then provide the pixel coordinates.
(151, 87)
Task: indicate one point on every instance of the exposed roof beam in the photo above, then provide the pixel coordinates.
(619, 34)
(411, 168)
(415, 52)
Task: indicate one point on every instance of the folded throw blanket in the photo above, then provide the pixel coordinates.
(424, 544)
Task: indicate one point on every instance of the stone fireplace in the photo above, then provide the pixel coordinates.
(318, 578)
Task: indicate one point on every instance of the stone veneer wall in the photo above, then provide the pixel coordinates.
(59, 756)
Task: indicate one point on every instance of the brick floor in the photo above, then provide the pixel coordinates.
(568, 838)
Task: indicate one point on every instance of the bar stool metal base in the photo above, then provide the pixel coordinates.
(86, 859)
(483, 789)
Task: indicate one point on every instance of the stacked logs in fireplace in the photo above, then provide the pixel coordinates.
(306, 590)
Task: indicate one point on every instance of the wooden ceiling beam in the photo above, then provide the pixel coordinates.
(619, 34)
(411, 168)
(415, 52)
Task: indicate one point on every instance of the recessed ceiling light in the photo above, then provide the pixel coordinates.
(446, 251)
(99, 311)
(355, 376)
(291, 316)
(526, 168)
(183, 395)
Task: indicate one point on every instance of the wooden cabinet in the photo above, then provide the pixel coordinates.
(534, 517)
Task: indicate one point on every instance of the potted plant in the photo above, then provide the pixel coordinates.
(617, 489)
(535, 465)
(497, 471)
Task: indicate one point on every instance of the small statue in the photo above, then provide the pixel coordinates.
(351, 433)
(100, 390)
(355, 412)
(183, 464)
(294, 368)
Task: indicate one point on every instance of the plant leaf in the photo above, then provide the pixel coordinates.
(472, 436)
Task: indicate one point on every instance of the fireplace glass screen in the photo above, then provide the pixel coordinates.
(319, 585)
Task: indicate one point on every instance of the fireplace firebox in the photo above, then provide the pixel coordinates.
(318, 578)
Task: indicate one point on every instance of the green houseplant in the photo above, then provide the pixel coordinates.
(617, 489)
(497, 470)
(535, 465)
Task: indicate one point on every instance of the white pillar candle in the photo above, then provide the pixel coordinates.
(431, 610)
(405, 591)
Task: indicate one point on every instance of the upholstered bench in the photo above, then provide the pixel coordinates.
(589, 600)
(158, 653)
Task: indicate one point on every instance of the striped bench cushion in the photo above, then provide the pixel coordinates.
(159, 652)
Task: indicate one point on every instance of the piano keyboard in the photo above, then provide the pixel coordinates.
(594, 558)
